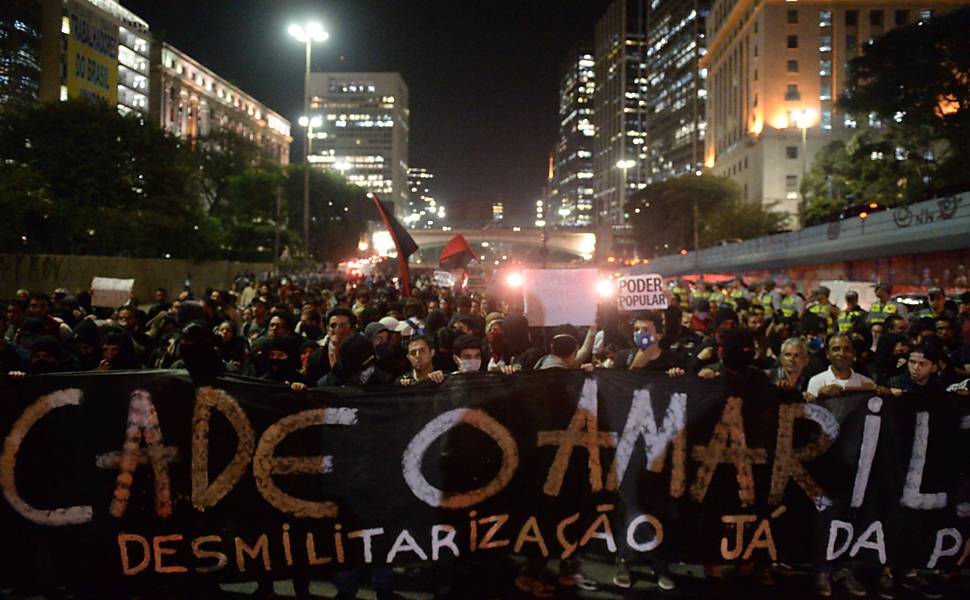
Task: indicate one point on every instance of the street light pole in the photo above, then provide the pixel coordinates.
(306, 156)
(307, 34)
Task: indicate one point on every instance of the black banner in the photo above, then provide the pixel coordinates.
(151, 475)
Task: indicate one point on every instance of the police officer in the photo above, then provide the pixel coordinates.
(824, 308)
(792, 303)
(935, 309)
(736, 292)
(852, 313)
(682, 291)
(883, 306)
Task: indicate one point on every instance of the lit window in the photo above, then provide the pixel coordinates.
(826, 121)
(824, 43)
(825, 18)
(65, 25)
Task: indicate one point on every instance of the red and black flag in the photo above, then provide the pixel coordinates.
(456, 254)
(405, 244)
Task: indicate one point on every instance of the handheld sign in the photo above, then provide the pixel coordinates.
(444, 279)
(641, 292)
(560, 296)
(109, 292)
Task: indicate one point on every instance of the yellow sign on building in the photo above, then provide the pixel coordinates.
(92, 56)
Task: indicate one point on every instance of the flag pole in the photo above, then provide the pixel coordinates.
(401, 259)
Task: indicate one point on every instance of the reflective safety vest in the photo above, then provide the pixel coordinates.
(767, 302)
(879, 311)
(789, 306)
(732, 296)
(824, 311)
(847, 319)
(702, 295)
(682, 293)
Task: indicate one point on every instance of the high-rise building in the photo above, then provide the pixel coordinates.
(676, 41)
(571, 174)
(20, 26)
(620, 110)
(776, 69)
(364, 131)
(94, 49)
(423, 210)
(189, 100)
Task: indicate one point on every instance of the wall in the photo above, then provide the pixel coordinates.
(45, 272)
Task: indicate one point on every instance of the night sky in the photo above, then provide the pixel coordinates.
(482, 76)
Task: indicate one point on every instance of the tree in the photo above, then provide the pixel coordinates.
(220, 156)
(663, 214)
(338, 212)
(915, 82)
(98, 183)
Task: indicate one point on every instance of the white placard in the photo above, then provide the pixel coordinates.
(109, 292)
(641, 292)
(560, 296)
(444, 279)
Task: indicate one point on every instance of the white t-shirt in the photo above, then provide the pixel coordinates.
(827, 377)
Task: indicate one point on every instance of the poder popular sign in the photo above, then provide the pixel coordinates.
(641, 292)
(123, 477)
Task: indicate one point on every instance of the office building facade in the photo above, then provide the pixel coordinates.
(676, 41)
(364, 131)
(95, 49)
(776, 70)
(570, 195)
(423, 210)
(20, 27)
(620, 110)
(189, 100)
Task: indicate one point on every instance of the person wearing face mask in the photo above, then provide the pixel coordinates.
(357, 365)
(495, 336)
(889, 359)
(198, 351)
(647, 352)
(467, 354)
(736, 354)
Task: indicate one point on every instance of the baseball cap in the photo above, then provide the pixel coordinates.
(393, 324)
(372, 329)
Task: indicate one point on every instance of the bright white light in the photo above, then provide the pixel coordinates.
(303, 121)
(342, 166)
(514, 280)
(317, 32)
(626, 164)
(484, 244)
(312, 31)
(605, 288)
(297, 32)
(540, 223)
(363, 246)
(382, 242)
(516, 229)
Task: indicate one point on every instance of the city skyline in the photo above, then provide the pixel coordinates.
(484, 80)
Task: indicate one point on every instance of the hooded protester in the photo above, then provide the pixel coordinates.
(284, 360)
(47, 355)
(890, 358)
(519, 351)
(85, 345)
(357, 365)
(117, 350)
(198, 351)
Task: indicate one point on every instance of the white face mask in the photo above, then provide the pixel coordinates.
(470, 365)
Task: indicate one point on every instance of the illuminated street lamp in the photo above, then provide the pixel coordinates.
(306, 34)
(627, 163)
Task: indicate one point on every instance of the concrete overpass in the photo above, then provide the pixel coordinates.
(580, 244)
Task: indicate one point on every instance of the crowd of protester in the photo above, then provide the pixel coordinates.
(306, 331)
